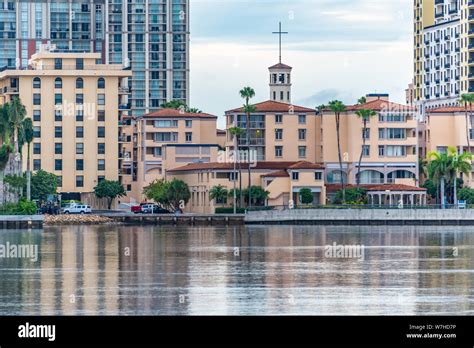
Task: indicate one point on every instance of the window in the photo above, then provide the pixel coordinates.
(302, 151)
(295, 176)
(79, 181)
(166, 137)
(37, 115)
(58, 99)
(101, 99)
(381, 151)
(37, 148)
(79, 132)
(278, 118)
(36, 82)
(100, 132)
(58, 83)
(58, 164)
(79, 64)
(442, 149)
(366, 133)
(101, 148)
(58, 132)
(301, 134)
(37, 132)
(36, 164)
(101, 178)
(189, 123)
(396, 151)
(189, 137)
(79, 98)
(58, 148)
(101, 83)
(58, 117)
(79, 164)
(58, 63)
(79, 83)
(79, 148)
(278, 134)
(366, 150)
(79, 115)
(302, 119)
(278, 151)
(59, 180)
(166, 124)
(282, 94)
(36, 99)
(101, 164)
(101, 115)
(318, 176)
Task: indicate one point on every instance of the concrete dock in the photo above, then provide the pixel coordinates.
(10, 222)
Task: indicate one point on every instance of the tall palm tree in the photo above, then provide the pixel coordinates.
(236, 133)
(364, 115)
(16, 114)
(460, 163)
(467, 100)
(439, 169)
(248, 93)
(321, 108)
(27, 130)
(218, 193)
(338, 107)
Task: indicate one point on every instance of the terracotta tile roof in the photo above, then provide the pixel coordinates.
(273, 106)
(177, 113)
(274, 166)
(306, 165)
(394, 187)
(380, 105)
(280, 66)
(447, 109)
(375, 187)
(279, 174)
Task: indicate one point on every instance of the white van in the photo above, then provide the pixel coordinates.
(77, 209)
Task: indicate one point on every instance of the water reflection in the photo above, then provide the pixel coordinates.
(139, 270)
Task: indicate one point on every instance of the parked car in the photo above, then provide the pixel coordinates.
(136, 209)
(77, 209)
(148, 208)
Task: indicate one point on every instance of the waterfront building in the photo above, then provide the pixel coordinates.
(75, 107)
(389, 155)
(283, 180)
(151, 37)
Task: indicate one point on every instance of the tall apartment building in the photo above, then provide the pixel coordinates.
(150, 36)
(75, 106)
(443, 44)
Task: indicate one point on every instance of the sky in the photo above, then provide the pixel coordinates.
(339, 49)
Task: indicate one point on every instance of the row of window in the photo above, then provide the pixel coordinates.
(301, 134)
(171, 137)
(58, 164)
(58, 132)
(58, 117)
(171, 123)
(58, 83)
(301, 151)
(58, 99)
(58, 148)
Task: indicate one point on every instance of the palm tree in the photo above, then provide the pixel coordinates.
(321, 108)
(16, 114)
(248, 93)
(460, 163)
(362, 100)
(27, 130)
(439, 169)
(467, 100)
(236, 133)
(365, 115)
(338, 107)
(218, 193)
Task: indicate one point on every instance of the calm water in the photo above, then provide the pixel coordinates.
(239, 271)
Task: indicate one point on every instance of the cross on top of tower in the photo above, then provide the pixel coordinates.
(280, 33)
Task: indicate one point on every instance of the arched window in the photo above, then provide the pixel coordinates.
(58, 83)
(36, 82)
(79, 83)
(100, 83)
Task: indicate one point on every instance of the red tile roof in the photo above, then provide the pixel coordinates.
(275, 166)
(280, 66)
(177, 113)
(278, 174)
(306, 165)
(273, 106)
(380, 105)
(447, 109)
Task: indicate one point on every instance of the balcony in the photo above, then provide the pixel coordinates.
(253, 142)
(253, 125)
(447, 65)
(124, 90)
(125, 139)
(10, 90)
(439, 14)
(125, 106)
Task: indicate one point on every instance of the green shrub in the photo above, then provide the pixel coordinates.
(23, 207)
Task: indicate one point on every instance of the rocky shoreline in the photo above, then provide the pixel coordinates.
(78, 220)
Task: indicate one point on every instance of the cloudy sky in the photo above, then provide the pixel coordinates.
(338, 49)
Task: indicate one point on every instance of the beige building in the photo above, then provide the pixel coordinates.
(283, 180)
(390, 154)
(76, 106)
(167, 139)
